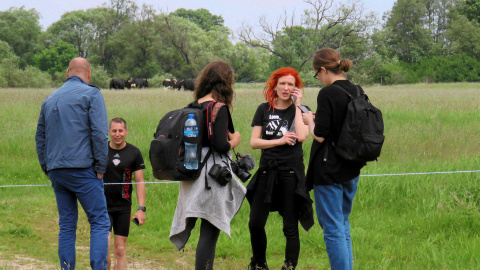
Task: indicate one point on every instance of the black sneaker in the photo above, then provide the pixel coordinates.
(288, 266)
(257, 266)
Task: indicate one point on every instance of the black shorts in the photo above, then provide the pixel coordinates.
(120, 221)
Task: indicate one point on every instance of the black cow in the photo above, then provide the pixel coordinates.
(138, 82)
(189, 85)
(117, 83)
(177, 85)
(168, 83)
(128, 84)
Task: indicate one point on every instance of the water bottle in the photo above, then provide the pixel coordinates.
(292, 129)
(191, 130)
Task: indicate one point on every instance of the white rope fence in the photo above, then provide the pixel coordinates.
(169, 182)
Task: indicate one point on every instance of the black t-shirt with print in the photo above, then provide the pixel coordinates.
(269, 119)
(120, 169)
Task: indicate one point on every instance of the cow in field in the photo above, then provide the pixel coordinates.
(189, 85)
(138, 82)
(177, 85)
(172, 83)
(168, 83)
(128, 84)
(117, 83)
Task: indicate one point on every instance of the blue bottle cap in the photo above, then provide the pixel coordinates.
(190, 115)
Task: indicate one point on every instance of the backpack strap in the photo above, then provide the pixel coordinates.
(359, 90)
(212, 111)
(213, 108)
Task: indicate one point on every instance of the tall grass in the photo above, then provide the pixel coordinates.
(398, 222)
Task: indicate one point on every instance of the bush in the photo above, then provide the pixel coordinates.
(100, 77)
(31, 77)
(59, 78)
(157, 80)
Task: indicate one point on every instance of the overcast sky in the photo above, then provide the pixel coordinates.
(234, 12)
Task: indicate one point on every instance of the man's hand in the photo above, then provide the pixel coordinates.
(140, 215)
(99, 175)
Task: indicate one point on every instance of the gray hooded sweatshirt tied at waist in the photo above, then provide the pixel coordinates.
(72, 130)
(218, 205)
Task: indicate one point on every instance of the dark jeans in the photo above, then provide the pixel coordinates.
(284, 196)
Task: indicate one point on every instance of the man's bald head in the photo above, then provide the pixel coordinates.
(81, 67)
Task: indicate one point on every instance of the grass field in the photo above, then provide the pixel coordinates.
(427, 221)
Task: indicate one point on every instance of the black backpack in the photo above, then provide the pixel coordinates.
(361, 137)
(167, 149)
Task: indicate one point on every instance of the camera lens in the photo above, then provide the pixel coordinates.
(243, 175)
(221, 174)
(226, 175)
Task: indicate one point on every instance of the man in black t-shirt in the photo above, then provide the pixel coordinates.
(124, 161)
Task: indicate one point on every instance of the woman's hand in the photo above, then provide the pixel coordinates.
(307, 118)
(234, 139)
(297, 92)
(289, 138)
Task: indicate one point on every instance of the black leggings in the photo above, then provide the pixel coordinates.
(205, 253)
(284, 190)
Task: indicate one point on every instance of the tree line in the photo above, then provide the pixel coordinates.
(416, 41)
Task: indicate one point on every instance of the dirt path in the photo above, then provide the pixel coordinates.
(19, 262)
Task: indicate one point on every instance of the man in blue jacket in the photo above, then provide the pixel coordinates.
(72, 148)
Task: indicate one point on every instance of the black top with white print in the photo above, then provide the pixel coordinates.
(269, 119)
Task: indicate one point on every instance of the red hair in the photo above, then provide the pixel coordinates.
(268, 92)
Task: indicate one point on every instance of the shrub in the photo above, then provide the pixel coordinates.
(157, 80)
(100, 77)
(31, 77)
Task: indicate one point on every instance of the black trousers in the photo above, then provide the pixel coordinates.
(284, 196)
(205, 252)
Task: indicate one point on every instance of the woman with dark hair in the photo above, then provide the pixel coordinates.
(217, 205)
(279, 183)
(333, 179)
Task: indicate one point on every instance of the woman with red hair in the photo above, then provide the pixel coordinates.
(279, 183)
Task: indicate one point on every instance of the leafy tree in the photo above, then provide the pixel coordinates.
(73, 28)
(107, 20)
(471, 9)
(249, 64)
(201, 17)
(20, 28)
(56, 57)
(323, 25)
(190, 47)
(407, 37)
(136, 43)
(7, 53)
(91, 31)
(464, 35)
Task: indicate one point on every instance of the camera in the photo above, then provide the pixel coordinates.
(221, 174)
(242, 165)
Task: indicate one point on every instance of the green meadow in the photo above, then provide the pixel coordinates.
(414, 221)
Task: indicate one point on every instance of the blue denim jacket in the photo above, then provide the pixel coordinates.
(72, 130)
